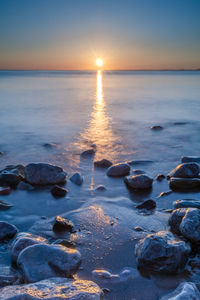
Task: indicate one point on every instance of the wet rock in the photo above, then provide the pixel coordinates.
(138, 172)
(137, 228)
(44, 174)
(162, 252)
(175, 220)
(7, 230)
(186, 170)
(7, 276)
(53, 288)
(186, 203)
(4, 191)
(185, 291)
(123, 276)
(5, 205)
(149, 204)
(12, 175)
(66, 243)
(140, 162)
(24, 186)
(184, 183)
(62, 224)
(104, 163)
(1, 153)
(88, 153)
(118, 170)
(186, 159)
(49, 145)
(156, 127)
(93, 146)
(77, 178)
(58, 191)
(100, 188)
(42, 261)
(22, 241)
(163, 194)
(160, 177)
(140, 182)
(190, 225)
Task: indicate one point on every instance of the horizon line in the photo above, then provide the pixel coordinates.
(89, 70)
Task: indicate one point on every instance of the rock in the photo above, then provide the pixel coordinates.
(52, 289)
(149, 204)
(100, 188)
(68, 244)
(12, 175)
(93, 146)
(22, 241)
(186, 170)
(165, 194)
(7, 276)
(118, 170)
(184, 183)
(23, 186)
(138, 172)
(5, 205)
(4, 191)
(1, 153)
(186, 159)
(61, 224)
(140, 162)
(156, 127)
(123, 276)
(77, 178)
(140, 182)
(160, 177)
(88, 153)
(104, 163)
(137, 228)
(175, 220)
(42, 261)
(162, 252)
(49, 145)
(186, 203)
(190, 225)
(44, 174)
(185, 291)
(58, 191)
(7, 230)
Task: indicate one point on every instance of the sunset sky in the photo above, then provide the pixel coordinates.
(126, 34)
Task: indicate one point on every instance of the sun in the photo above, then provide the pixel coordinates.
(99, 62)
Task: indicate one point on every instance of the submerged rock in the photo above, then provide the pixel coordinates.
(12, 175)
(76, 178)
(58, 191)
(175, 220)
(44, 174)
(125, 275)
(7, 230)
(88, 153)
(163, 194)
(4, 191)
(186, 170)
(62, 224)
(24, 240)
(184, 183)
(24, 186)
(138, 172)
(5, 205)
(49, 145)
(149, 204)
(52, 289)
(100, 188)
(140, 182)
(156, 127)
(162, 252)
(185, 291)
(42, 261)
(104, 163)
(186, 159)
(119, 170)
(140, 162)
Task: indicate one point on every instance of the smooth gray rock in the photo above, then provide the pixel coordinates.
(186, 170)
(190, 225)
(140, 182)
(186, 159)
(104, 163)
(162, 252)
(24, 186)
(118, 170)
(44, 174)
(22, 241)
(42, 261)
(175, 220)
(12, 175)
(185, 291)
(76, 178)
(184, 183)
(186, 203)
(7, 230)
(53, 289)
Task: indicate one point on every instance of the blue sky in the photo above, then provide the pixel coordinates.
(127, 34)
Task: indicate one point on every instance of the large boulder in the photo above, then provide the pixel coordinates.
(44, 174)
(186, 170)
(162, 252)
(53, 289)
(139, 182)
(12, 175)
(22, 241)
(185, 291)
(118, 170)
(42, 261)
(7, 230)
(190, 225)
(184, 183)
(175, 220)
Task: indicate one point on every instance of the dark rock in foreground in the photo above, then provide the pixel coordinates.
(184, 183)
(53, 289)
(44, 174)
(119, 170)
(140, 182)
(104, 163)
(162, 252)
(185, 291)
(76, 178)
(186, 159)
(43, 261)
(58, 191)
(7, 230)
(12, 175)
(61, 224)
(186, 170)
(149, 204)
